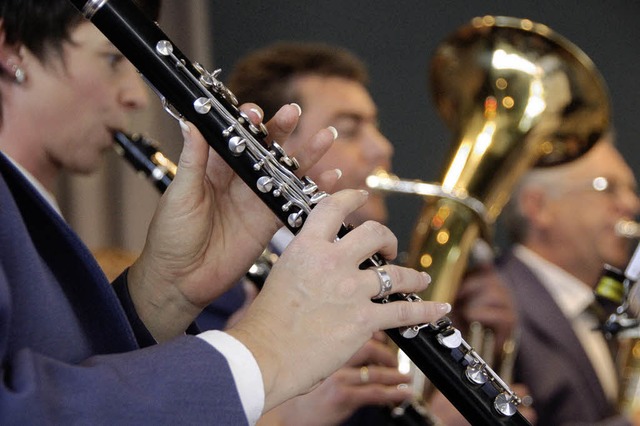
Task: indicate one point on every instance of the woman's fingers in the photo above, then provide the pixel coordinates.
(403, 313)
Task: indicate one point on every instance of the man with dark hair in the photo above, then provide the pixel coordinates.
(330, 84)
(73, 350)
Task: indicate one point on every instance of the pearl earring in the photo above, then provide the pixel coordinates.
(19, 74)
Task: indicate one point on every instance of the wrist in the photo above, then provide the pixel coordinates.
(263, 344)
(160, 306)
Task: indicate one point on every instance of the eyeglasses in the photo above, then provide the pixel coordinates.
(611, 187)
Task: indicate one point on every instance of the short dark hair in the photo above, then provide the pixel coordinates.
(265, 75)
(43, 26)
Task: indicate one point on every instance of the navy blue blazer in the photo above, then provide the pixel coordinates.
(71, 345)
(551, 361)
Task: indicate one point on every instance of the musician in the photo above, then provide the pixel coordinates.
(561, 221)
(73, 350)
(330, 84)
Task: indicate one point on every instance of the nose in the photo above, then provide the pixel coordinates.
(133, 92)
(378, 149)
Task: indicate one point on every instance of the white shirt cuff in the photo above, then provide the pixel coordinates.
(244, 369)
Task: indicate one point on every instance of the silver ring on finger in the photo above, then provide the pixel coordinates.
(385, 282)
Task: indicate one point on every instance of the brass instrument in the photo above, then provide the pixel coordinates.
(515, 95)
(617, 295)
(628, 229)
(629, 364)
(480, 337)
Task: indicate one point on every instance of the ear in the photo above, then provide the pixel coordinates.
(10, 55)
(534, 204)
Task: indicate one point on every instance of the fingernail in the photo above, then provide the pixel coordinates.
(185, 127)
(334, 131)
(297, 106)
(257, 112)
(338, 173)
(426, 277)
(364, 192)
(443, 308)
(407, 389)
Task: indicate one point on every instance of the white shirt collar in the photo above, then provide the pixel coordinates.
(572, 295)
(46, 194)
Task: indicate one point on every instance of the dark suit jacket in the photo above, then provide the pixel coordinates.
(551, 360)
(70, 347)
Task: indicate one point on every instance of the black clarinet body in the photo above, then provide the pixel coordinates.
(189, 91)
(145, 157)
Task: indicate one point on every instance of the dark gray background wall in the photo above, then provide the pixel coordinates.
(397, 38)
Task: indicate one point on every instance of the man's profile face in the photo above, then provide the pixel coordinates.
(360, 147)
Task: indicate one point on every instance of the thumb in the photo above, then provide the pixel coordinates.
(192, 165)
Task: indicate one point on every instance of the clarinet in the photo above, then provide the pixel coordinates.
(144, 155)
(188, 91)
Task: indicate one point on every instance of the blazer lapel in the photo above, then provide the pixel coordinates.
(73, 265)
(545, 319)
